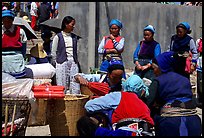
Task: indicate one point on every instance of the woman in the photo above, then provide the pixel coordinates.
(64, 55)
(170, 100)
(123, 108)
(146, 50)
(112, 45)
(184, 44)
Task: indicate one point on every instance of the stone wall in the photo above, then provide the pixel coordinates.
(134, 16)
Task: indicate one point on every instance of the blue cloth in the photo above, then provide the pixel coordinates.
(165, 61)
(172, 86)
(157, 51)
(186, 24)
(9, 13)
(116, 22)
(135, 84)
(107, 102)
(181, 44)
(150, 28)
(100, 131)
(171, 126)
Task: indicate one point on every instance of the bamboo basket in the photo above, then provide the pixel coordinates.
(85, 90)
(63, 114)
(14, 109)
(40, 117)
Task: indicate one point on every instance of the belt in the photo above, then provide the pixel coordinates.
(134, 123)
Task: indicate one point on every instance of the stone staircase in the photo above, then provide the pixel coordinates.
(30, 43)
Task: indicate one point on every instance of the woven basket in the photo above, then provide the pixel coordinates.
(85, 90)
(63, 114)
(14, 109)
(40, 117)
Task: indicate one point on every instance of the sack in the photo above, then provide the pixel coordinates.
(42, 71)
(12, 62)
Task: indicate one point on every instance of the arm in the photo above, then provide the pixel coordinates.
(101, 49)
(109, 101)
(153, 90)
(193, 50)
(54, 48)
(119, 46)
(135, 55)
(89, 77)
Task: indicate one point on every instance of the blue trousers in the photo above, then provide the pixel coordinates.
(178, 126)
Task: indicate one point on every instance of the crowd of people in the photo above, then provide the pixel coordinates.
(166, 105)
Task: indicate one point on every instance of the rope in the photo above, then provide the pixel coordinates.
(179, 112)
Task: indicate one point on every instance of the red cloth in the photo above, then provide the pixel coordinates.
(200, 45)
(188, 63)
(109, 42)
(48, 91)
(34, 23)
(131, 106)
(99, 89)
(12, 39)
(48, 95)
(8, 130)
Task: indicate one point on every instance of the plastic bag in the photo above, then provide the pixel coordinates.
(19, 88)
(6, 78)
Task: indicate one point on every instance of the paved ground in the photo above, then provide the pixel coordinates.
(45, 130)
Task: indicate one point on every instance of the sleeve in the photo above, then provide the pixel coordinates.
(135, 55)
(119, 45)
(109, 101)
(90, 77)
(23, 36)
(194, 51)
(153, 91)
(157, 50)
(101, 49)
(54, 47)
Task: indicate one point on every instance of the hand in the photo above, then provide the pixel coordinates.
(111, 37)
(193, 68)
(81, 80)
(138, 67)
(144, 67)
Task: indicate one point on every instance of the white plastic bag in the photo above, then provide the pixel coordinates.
(7, 78)
(42, 71)
(18, 88)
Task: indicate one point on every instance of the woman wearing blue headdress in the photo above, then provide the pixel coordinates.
(170, 100)
(145, 51)
(112, 45)
(184, 45)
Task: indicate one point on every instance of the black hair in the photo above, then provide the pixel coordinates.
(86, 126)
(184, 27)
(115, 67)
(46, 34)
(12, 18)
(65, 21)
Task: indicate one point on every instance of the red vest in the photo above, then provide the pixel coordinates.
(131, 106)
(109, 42)
(12, 39)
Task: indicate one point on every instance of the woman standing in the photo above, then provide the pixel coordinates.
(112, 45)
(64, 55)
(184, 44)
(146, 50)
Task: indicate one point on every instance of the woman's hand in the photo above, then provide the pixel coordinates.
(111, 37)
(81, 80)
